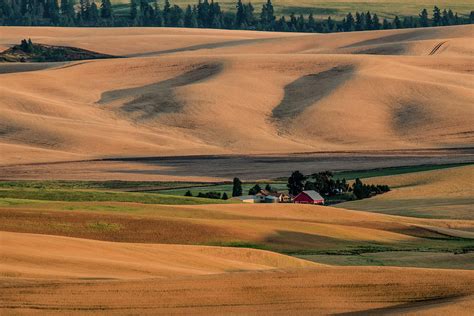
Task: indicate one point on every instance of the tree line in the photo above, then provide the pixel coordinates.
(206, 14)
(324, 183)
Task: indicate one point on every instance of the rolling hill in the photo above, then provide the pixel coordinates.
(184, 92)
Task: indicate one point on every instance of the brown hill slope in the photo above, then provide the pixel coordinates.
(445, 193)
(42, 256)
(201, 91)
(169, 279)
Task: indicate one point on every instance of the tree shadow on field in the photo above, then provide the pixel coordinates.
(147, 102)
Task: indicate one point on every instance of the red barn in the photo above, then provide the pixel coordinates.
(309, 197)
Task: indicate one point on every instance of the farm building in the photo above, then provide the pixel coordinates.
(246, 198)
(309, 197)
(258, 198)
(274, 197)
(264, 197)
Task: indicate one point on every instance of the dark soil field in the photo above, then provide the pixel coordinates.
(225, 167)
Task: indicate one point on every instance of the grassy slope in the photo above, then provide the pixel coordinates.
(221, 188)
(317, 233)
(447, 193)
(114, 185)
(284, 228)
(364, 174)
(445, 260)
(338, 8)
(102, 196)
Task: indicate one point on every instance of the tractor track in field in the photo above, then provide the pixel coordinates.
(436, 48)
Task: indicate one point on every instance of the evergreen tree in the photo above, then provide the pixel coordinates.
(375, 22)
(436, 16)
(349, 24)
(27, 45)
(237, 187)
(188, 193)
(93, 14)
(359, 22)
(147, 14)
(301, 24)
(67, 12)
(167, 13)
(267, 16)
(368, 21)
(158, 14)
(397, 23)
(225, 196)
(409, 22)
(215, 15)
(133, 11)
(423, 18)
(106, 9)
(359, 190)
(189, 18)
(54, 12)
(292, 22)
(84, 10)
(445, 18)
(240, 15)
(330, 25)
(176, 17)
(451, 19)
(203, 9)
(255, 189)
(311, 23)
(456, 19)
(282, 25)
(6, 11)
(206, 13)
(249, 14)
(295, 183)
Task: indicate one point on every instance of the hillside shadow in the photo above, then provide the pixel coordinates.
(308, 90)
(409, 117)
(285, 240)
(417, 305)
(151, 100)
(406, 36)
(203, 46)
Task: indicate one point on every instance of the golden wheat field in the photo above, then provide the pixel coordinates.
(206, 105)
(189, 92)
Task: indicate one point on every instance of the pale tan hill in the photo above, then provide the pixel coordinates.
(256, 93)
(447, 193)
(42, 256)
(303, 291)
(129, 41)
(47, 274)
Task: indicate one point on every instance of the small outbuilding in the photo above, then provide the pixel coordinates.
(245, 199)
(309, 197)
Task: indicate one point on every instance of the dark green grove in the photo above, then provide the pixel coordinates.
(206, 14)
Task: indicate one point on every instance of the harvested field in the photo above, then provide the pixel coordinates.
(273, 292)
(210, 80)
(199, 106)
(447, 193)
(41, 256)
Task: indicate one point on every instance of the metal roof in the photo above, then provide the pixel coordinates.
(314, 195)
(245, 197)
